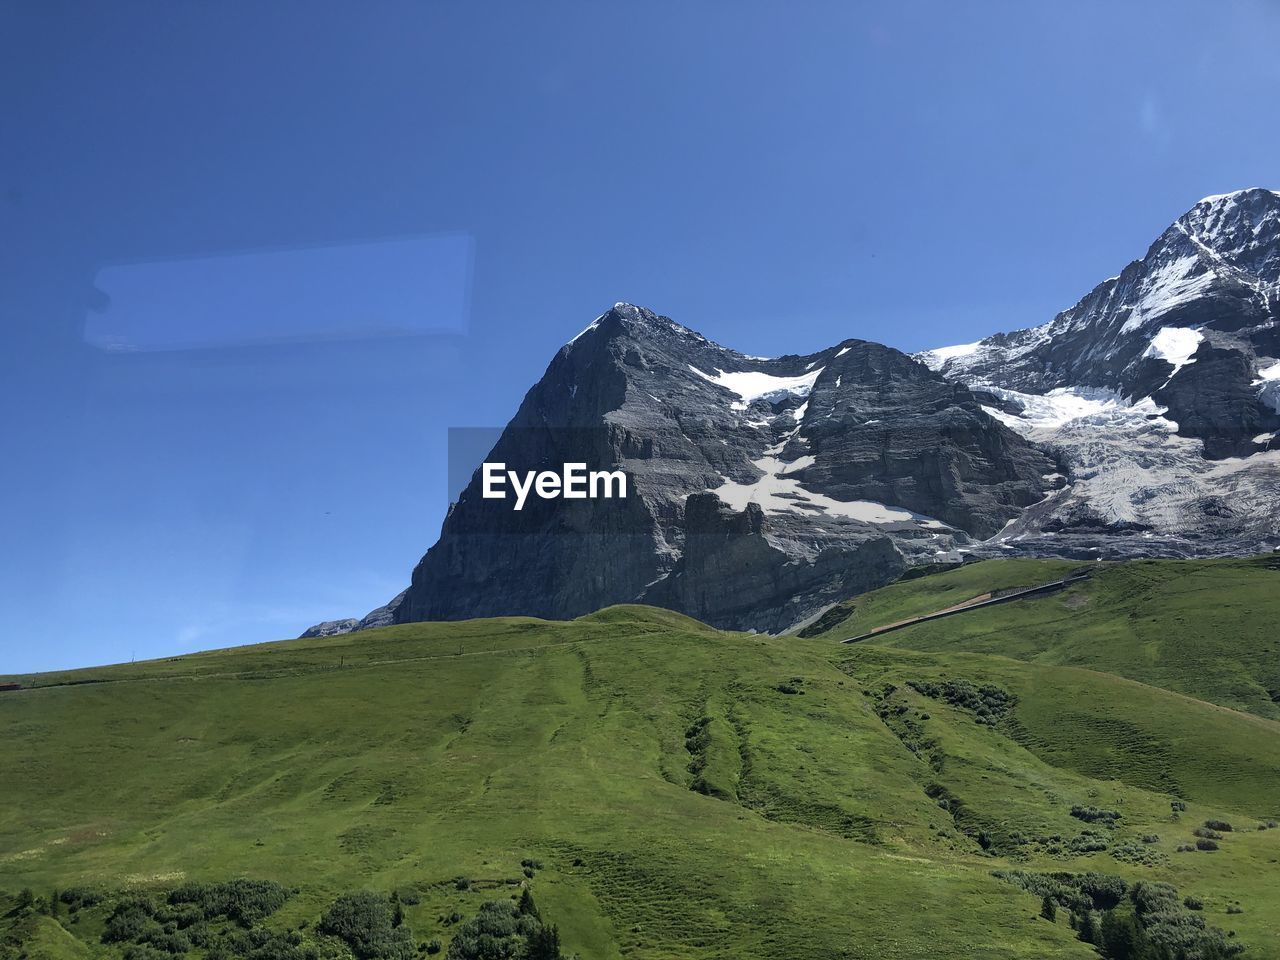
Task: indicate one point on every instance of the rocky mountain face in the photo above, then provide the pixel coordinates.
(1159, 392)
(760, 489)
(1140, 421)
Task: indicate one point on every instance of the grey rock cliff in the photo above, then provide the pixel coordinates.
(817, 457)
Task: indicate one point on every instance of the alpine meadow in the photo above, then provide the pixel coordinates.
(1094, 769)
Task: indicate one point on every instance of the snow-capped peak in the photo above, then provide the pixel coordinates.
(1235, 194)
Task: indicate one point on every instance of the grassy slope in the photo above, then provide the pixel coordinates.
(1204, 628)
(1080, 737)
(439, 750)
(561, 741)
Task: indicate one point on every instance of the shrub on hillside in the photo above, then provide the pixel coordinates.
(260, 943)
(1218, 825)
(1091, 814)
(128, 920)
(501, 931)
(1048, 908)
(1153, 897)
(80, 898)
(987, 702)
(242, 901)
(544, 944)
(1131, 851)
(365, 921)
(525, 906)
(1079, 892)
(166, 941)
(1159, 926)
(1089, 841)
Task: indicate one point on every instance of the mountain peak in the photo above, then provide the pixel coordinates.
(1247, 193)
(629, 318)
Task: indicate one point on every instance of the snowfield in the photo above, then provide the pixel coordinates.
(752, 385)
(1127, 466)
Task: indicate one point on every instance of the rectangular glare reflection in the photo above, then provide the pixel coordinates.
(381, 288)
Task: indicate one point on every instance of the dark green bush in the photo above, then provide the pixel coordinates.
(500, 931)
(1153, 897)
(1080, 892)
(1105, 890)
(1160, 925)
(526, 906)
(166, 941)
(260, 943)
(1048, 908)
(128, 920)
(80, 898)
(1087, 842)
(365, 921)
(988, 702)
(544, 944)
(1131, 851)
(242, 901)
(1092, 814)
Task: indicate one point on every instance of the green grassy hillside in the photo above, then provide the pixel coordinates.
(1206, 628)
(662, 789)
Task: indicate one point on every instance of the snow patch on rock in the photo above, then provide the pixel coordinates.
(936, 359)
(752, 385)
(1176, 346)
(1269, 381)
(1055, 408)
(778, 491)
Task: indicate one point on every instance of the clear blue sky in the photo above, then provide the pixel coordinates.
(255, 259)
